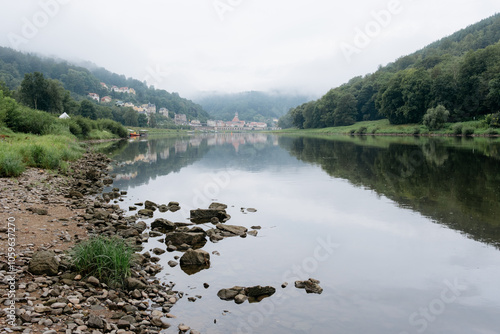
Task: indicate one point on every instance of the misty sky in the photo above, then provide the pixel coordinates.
(188, 46)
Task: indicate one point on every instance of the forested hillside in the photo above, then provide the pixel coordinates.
(80, 81)
(460, 72)
(251, 106)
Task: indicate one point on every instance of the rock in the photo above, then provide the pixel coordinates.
(123, 324)
(284, 285)
(172, 263)
(205, 215)
(240, 299)
(258, 291)
(251, 210)
(101, 214)
(132, 208)
(163, 208)
(192, 299)
(95, 322)
(136, 294)
(39, 211)
(133, 283)
(163, 225)
(146, 212)
(44, 262)
(256, 227)
(94, 281)
(172, 203)
(75, 194)
(140, 226)
(150, 205)
(128, 233)
(158, 322)
(158, 251)
(214, 220)
(206, 285)
(253, 233)
(311, 286)
(230, 294)
(183, 328)
(197, 240)
(236, 230)
(217, 206)
(196, 257)
(58, 305)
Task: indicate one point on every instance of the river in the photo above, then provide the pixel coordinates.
(403, 233)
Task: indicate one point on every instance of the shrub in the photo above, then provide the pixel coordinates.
(491, 132)
(26, 120)
(435, 118)
(362, 130)
(352, 131)
(374, 130)
(457, 129)
(107, 259)
(467, 131)
(114, 127)
(41, 156)
(416, 131)
(85, 124)
(11, 164)
(495, 120)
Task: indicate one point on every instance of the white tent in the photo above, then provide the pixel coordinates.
(64, 116)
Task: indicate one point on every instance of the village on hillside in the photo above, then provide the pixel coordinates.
(179, 119)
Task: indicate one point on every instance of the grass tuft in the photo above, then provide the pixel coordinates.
(11, 164)
(107, 259)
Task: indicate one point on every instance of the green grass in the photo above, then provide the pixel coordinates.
(107, 259)
(383, 127)
(19, 151)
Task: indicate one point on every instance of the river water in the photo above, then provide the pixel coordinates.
(403, 233)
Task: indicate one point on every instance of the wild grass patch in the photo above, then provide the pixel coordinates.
(107, 259)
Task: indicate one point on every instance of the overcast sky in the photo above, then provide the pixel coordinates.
(188, 46)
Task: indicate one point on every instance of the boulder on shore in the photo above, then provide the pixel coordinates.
(194, 239)
(196, 257)
(44, 262)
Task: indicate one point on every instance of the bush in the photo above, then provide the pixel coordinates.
(11, 164)
(362, 130)
(491, 132)
(435, 118)
(107, 259)
(41, 156)
(495, 120)
(416, 131)
(467, 131)
(26, 120)
(352, 131)
(114, 127)
(85, 124)
(457, 129)
(374, 130)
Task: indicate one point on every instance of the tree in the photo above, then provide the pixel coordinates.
(131, 117)
(87, 109)
(435, 118)
(346, 111)
(142, 120)
(5, 89)
(33, 91)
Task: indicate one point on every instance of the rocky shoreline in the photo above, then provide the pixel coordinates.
(49, 297)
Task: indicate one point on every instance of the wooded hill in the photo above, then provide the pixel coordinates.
(80, 81)
(460, 72)
(250, 106)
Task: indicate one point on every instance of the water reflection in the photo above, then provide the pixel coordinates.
(455, 186)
